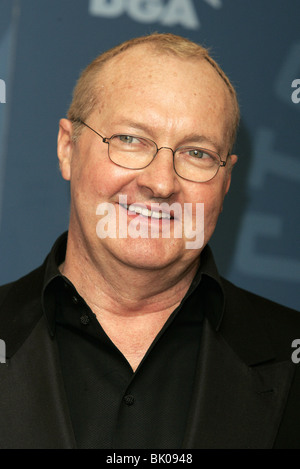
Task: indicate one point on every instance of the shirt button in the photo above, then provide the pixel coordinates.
(75, 299)
(129, 399)
(84, 319)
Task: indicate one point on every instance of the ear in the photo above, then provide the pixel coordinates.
(65, 147)
(231, 161)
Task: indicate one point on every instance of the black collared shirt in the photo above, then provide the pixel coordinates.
(112, 407)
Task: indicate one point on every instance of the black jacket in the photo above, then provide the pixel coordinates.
(246, 392)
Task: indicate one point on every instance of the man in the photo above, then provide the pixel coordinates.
(127, 337)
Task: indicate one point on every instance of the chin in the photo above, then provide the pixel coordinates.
(148, 254)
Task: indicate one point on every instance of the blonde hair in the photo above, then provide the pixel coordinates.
(85, 96)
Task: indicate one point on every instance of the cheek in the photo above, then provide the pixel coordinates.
(98, 181)
(213, 201)
(212, 211)
(111, 180)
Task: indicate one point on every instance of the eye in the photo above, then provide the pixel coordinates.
(198, 157)
(129, 139)
(197, 153)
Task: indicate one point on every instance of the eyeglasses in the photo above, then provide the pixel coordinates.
(133, 152)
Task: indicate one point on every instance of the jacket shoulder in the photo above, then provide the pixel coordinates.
(236, 297)
(280, 323)
(20, 307)
(26, 286)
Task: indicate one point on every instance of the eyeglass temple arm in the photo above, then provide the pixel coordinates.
(222, 162)
(83, 123)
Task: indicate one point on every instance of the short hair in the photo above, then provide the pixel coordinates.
(85, 95)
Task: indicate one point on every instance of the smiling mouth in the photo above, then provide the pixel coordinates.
(145, 212)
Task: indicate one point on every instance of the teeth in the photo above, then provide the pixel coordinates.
(136, 209)
(144, 211)
(156, 215)
(147, 213)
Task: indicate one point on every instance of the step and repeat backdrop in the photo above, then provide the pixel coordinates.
(43, 47)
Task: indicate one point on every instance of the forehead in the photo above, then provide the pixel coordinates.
(142, 63)
(142, 80)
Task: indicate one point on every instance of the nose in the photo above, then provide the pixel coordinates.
(159, 177)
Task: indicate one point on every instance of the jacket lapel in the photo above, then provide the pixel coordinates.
(40, 400)
(236, 404)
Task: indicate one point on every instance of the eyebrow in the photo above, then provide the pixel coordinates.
(195, 137)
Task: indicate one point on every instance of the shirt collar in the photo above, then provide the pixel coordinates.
(207, 282)
(53, 279)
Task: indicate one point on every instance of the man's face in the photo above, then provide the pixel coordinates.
(175, 103)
